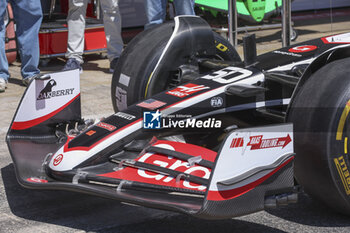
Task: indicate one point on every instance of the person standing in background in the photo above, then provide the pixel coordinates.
(156, 10)
(76, 29)
(28, 15)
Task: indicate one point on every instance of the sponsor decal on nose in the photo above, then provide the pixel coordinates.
(57, 160)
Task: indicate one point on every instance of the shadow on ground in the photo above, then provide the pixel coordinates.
(312, 213)
(90, 213)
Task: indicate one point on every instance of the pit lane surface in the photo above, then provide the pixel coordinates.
(24, 210)
(58, 211)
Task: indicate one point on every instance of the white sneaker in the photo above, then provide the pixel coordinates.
(3, 84)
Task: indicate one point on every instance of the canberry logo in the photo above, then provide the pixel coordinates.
(48, 91)
(303, 49)
(186, 90)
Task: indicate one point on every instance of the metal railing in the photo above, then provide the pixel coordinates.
(286, 23)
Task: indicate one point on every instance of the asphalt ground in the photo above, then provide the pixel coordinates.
(24, 210)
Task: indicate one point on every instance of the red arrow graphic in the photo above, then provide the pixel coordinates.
(256, 142)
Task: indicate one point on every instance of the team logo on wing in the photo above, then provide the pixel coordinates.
(48, 91)
(186, 90)
(302, 49)
(58, 160)
(257, 142)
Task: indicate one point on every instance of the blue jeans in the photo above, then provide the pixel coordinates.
(76, 27)
(156, 10)
(28, 16)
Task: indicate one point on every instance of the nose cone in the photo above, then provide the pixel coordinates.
(67, 160)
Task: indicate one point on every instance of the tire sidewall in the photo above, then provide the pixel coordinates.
(138, 75)
(316, 112)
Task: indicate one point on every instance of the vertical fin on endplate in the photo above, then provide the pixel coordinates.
(48, 100)
(251, 164)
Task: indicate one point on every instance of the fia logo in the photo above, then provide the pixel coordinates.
(216, 102)
(152, 120)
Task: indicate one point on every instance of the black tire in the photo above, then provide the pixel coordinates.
(139, 59)
(317, 112)
(294, 35)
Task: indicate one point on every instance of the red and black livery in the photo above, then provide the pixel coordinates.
(233, 132)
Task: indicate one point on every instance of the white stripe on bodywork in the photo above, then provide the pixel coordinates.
(307, 61)
(291, 65)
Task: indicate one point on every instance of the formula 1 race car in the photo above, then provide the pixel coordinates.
(196, 129)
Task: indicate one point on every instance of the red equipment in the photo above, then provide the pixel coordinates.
(54, 32)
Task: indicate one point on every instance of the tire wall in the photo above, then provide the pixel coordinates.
(319, 112)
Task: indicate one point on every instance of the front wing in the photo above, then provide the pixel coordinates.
(251, 170)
